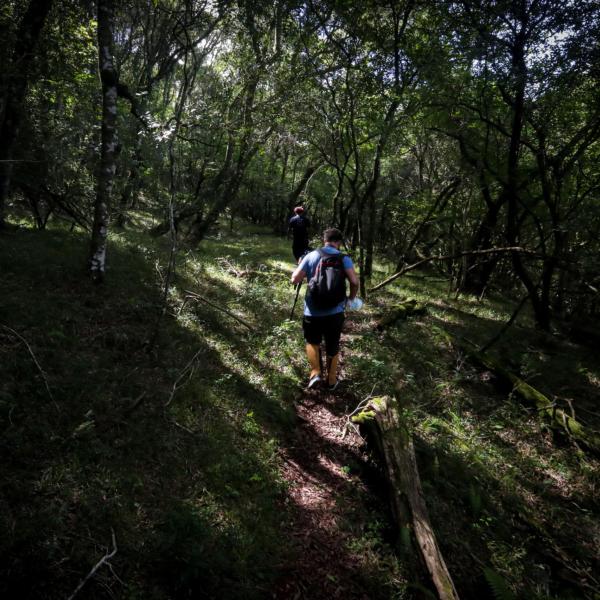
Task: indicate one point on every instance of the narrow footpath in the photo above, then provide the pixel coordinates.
(330, 503)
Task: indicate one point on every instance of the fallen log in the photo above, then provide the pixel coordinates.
(398, 312)
(395, 443)
(232, 269)
(557, 416)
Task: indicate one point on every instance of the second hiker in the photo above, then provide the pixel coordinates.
(299, 225)
(326, 270)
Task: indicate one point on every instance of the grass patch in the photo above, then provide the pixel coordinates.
(507, 498)
(188, 477)
(192, 490)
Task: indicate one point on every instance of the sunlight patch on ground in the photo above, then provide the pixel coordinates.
(251, 374)
(280, 265)
(592, 378)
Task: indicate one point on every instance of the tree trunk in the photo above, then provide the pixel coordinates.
(478, 271)
(400, 20)
(362, 285)
(369, 196)
(336, 209)
(107, 169)
(281, 227)
(408, 501)
(541, 308)
(14, 90)
(297, 191)
(132, 186)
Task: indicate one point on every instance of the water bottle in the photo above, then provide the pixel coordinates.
(355, 304)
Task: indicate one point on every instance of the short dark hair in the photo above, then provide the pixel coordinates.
(333, 235)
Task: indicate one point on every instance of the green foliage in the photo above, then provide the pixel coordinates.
(372, 370)
(194, 557)
(498, 585)
(475, 500)
(93, 463)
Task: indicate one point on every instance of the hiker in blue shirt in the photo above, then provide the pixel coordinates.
(299, 225)
(326, 270)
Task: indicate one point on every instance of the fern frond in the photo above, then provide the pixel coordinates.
(498, 585)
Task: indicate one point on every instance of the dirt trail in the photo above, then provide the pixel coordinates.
(328, 504)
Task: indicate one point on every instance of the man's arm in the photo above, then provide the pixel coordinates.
(353, 279)
(298, 275)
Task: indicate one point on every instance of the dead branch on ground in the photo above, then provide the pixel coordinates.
(95, 568)
(230, 268)
(187, 370)
(137, 402)
(196, 296)
(35, 360)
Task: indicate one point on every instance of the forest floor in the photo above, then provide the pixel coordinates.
(329, 504)
(189, 438)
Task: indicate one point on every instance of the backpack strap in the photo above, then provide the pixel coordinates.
(339, 257)
(324, 254)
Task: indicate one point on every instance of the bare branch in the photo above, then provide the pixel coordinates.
(227, 312)
(35, 360)
(516, 249)
(103, 560)
(189, 370)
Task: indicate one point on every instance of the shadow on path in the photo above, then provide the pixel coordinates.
(330, 506)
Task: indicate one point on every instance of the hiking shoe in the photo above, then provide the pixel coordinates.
(333, 386)
(313, 381)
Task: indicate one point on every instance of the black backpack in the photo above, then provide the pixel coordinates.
(327, 286)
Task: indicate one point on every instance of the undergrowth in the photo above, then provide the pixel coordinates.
(167, 431)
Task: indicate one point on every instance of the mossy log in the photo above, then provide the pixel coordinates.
(400, 311)
(558, 417)
(395, 443)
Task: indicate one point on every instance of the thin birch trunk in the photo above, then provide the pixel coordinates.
(108, 150)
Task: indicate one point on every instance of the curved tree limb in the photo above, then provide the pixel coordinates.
(416, 265)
